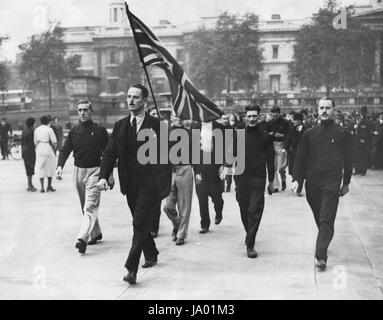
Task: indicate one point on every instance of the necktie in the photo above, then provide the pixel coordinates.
(134, 126)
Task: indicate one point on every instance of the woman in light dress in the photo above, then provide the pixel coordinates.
(45, 142)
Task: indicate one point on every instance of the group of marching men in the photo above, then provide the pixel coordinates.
(319, 158)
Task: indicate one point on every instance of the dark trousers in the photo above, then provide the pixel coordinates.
(250, 195)
(377, 156)
(156, 220)
(209, 187)
(143, 198)
(4, 147)
(323, 201)
(361, 158)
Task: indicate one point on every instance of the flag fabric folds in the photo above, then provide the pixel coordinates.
(188, 102)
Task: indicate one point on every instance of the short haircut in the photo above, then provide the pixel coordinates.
(253, 108)
(145, 92)
(304, 111)
(275, 109)
(298, 116)
(84, 101)
(328, 99)
(44, 119)
(30, 122)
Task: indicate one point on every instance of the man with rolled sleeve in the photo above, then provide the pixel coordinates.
(324, 160)
(87, 140)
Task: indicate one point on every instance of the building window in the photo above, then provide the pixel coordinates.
(275, 82)
(180, 55)
(275, 52)
(112, 85)
(115, 17)
(159, 84)
(113, 59)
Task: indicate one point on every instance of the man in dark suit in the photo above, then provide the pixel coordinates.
(144, 185)
(292, 140)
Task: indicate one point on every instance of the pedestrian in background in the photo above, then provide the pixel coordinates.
(45, 142)
(28, 151)
(5, 132)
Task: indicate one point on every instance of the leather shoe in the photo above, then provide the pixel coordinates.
(95, 239)
(131, 277)
(180, 242)
(149, 263)
(204, 230)
(81, 246)
(251, 253)
(218, 220)
(321, 264)
(174, 234)
(50, 189)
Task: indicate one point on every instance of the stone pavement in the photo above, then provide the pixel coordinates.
(38, 259)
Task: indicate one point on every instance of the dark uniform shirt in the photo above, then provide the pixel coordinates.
(322, 153)
(4, 129)
(259, 152)
(87, 141)
(280, 126)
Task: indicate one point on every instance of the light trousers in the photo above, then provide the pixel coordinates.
(85, 180)
(181, 194)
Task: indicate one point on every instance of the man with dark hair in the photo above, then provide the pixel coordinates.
(292, 140)
(87, 140)
(5, 128)
(144, 185)
(278, 129)
(324, 159)
(250, 185)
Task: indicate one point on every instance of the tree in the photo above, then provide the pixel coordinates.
(5, 76)
(324, 56)
(229, 51)
(43, 61)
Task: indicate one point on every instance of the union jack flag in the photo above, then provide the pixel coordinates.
(188, 102)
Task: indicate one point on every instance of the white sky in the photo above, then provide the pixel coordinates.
(21, 19)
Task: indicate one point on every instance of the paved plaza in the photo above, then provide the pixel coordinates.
(38, 259)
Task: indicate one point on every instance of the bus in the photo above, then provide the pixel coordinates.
(13, 100)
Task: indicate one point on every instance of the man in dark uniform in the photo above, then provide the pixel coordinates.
(144, 185)
(324, 159)
(5, 128)
(87, 140)
(208, 181)
(250, 185)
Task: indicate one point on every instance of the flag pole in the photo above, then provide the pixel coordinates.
(142, 59)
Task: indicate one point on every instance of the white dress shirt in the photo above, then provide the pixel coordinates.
(139, 120)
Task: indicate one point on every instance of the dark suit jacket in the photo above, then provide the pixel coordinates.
(292, 140)
(117, 149)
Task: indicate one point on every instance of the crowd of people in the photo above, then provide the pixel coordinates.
(320, 150)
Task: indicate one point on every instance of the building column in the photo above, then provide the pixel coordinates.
(378, 61)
